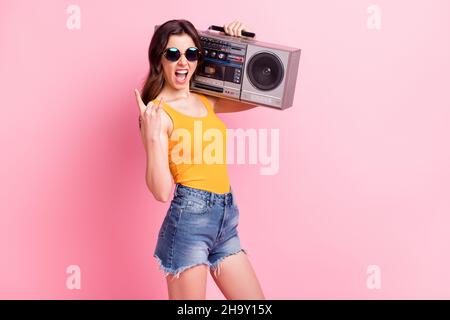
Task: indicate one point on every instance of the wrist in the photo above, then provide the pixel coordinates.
(151, 141)
(154, 139)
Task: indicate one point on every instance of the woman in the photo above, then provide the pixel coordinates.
(186, 141)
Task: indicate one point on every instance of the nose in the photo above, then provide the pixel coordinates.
(182, 61)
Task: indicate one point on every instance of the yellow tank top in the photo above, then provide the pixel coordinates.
(197, 149)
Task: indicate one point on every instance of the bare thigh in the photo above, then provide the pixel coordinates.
(237, 279)
(191, 284)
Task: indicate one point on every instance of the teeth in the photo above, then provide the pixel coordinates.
(181, 75)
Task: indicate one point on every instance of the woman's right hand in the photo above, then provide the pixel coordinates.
(149, 119)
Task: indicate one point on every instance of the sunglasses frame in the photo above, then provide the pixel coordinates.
(180, 54)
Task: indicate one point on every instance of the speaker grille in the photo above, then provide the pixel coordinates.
(265, 71)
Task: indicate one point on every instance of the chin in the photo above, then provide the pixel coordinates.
(180, 86)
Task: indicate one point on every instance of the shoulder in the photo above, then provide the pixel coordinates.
(166, 120)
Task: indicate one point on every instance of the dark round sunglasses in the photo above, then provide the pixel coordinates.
(191, 54)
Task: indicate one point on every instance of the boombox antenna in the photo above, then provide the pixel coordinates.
(244, 33)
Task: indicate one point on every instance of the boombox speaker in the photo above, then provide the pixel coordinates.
(246, 70)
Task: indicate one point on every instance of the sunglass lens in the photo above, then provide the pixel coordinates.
(192, 54)
(172, 54)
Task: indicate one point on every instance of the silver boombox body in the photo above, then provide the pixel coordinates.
(247, 70)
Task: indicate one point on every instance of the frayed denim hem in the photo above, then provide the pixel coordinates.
(212, 266)
(216, 265)
(176, 273)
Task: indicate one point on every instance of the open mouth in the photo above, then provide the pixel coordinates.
(181, 75)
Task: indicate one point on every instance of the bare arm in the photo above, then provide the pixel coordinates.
(157, 174)
(154, 137)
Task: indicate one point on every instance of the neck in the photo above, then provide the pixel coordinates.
(170, 93)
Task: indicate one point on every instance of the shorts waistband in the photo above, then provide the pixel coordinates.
(227, 197)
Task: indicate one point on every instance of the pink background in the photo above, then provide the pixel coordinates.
(364, 173)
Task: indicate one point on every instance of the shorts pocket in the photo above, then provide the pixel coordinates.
(235, 209)
(163, 228)
(195, 206)
(168, 220)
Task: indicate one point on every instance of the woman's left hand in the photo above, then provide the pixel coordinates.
(235, 28)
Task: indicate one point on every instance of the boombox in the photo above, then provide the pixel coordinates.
(247, 70)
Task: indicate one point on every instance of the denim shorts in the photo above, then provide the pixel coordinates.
(200, 227)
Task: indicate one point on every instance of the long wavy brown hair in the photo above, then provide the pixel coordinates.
(155, 78)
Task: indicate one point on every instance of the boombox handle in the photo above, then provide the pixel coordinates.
(244, 33)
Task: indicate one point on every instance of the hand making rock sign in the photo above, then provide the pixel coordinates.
(149, 119)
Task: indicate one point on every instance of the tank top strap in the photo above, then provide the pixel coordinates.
(206, 103)
(173, 114)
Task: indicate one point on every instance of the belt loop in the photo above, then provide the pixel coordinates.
(233, 201)
(211, 198)
(176, 189)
